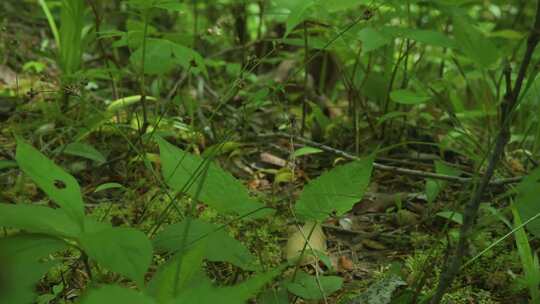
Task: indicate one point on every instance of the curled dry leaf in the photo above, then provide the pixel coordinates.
(297, 240)
(345, 264)
(273, 160)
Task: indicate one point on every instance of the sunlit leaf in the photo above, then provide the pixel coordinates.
(336, 191)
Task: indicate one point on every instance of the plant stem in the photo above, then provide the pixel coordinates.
(470, 214)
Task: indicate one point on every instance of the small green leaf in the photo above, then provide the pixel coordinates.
(336, 191)
(123, 250)
(314, 288)
(7, 164)
(108, 186)
(408, 97)
(306, 151)
(455, 217)
(84, 150)
(220, 246)
(115, 294)
(59, 185)
(38, 219)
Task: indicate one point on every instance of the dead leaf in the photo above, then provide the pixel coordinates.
(7, 76)
(297, 241)
(345, 264)
(273, 160)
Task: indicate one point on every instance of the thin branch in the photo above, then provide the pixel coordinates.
(393, 169)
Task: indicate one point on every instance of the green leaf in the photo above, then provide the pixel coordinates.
(158, 56)
(162, 286)
(115, 294)
(123, 250)
(21, 269)
(84, 150)
(237, 294)
(189, 59)
(429, 37)
(123, 103)
(455, 217)
(372, 39)
(527, 200)
(7, 164)
(434, 187)
(220, 190)
(38, 219)
(108, 186)
(59, 185)
(314, 288)
(408, 97)
(306, 151)
(474, 44)
(298, 13)
(219, 245)
(335, 191)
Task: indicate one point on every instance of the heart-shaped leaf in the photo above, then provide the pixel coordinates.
(336, 191)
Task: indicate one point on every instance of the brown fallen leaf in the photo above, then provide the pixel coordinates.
(345, 264)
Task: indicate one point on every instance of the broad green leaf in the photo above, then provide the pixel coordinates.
(474, 44)
(123, 250)
(298, 13)
(59, 185)
(237, 294)
(162, 285)
(108, 186)
(372, 39)
(158, 56)
(306, 151)
(21, 269)
(335, 191)
(219, 245)
(220, 190)
(189, 59)
(408, 97)
(38, 219)
(312, 288)
(84, 150)
(115, 294)
(527, 200)
(429, 37)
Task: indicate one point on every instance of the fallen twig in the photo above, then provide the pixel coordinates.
(393, 169)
